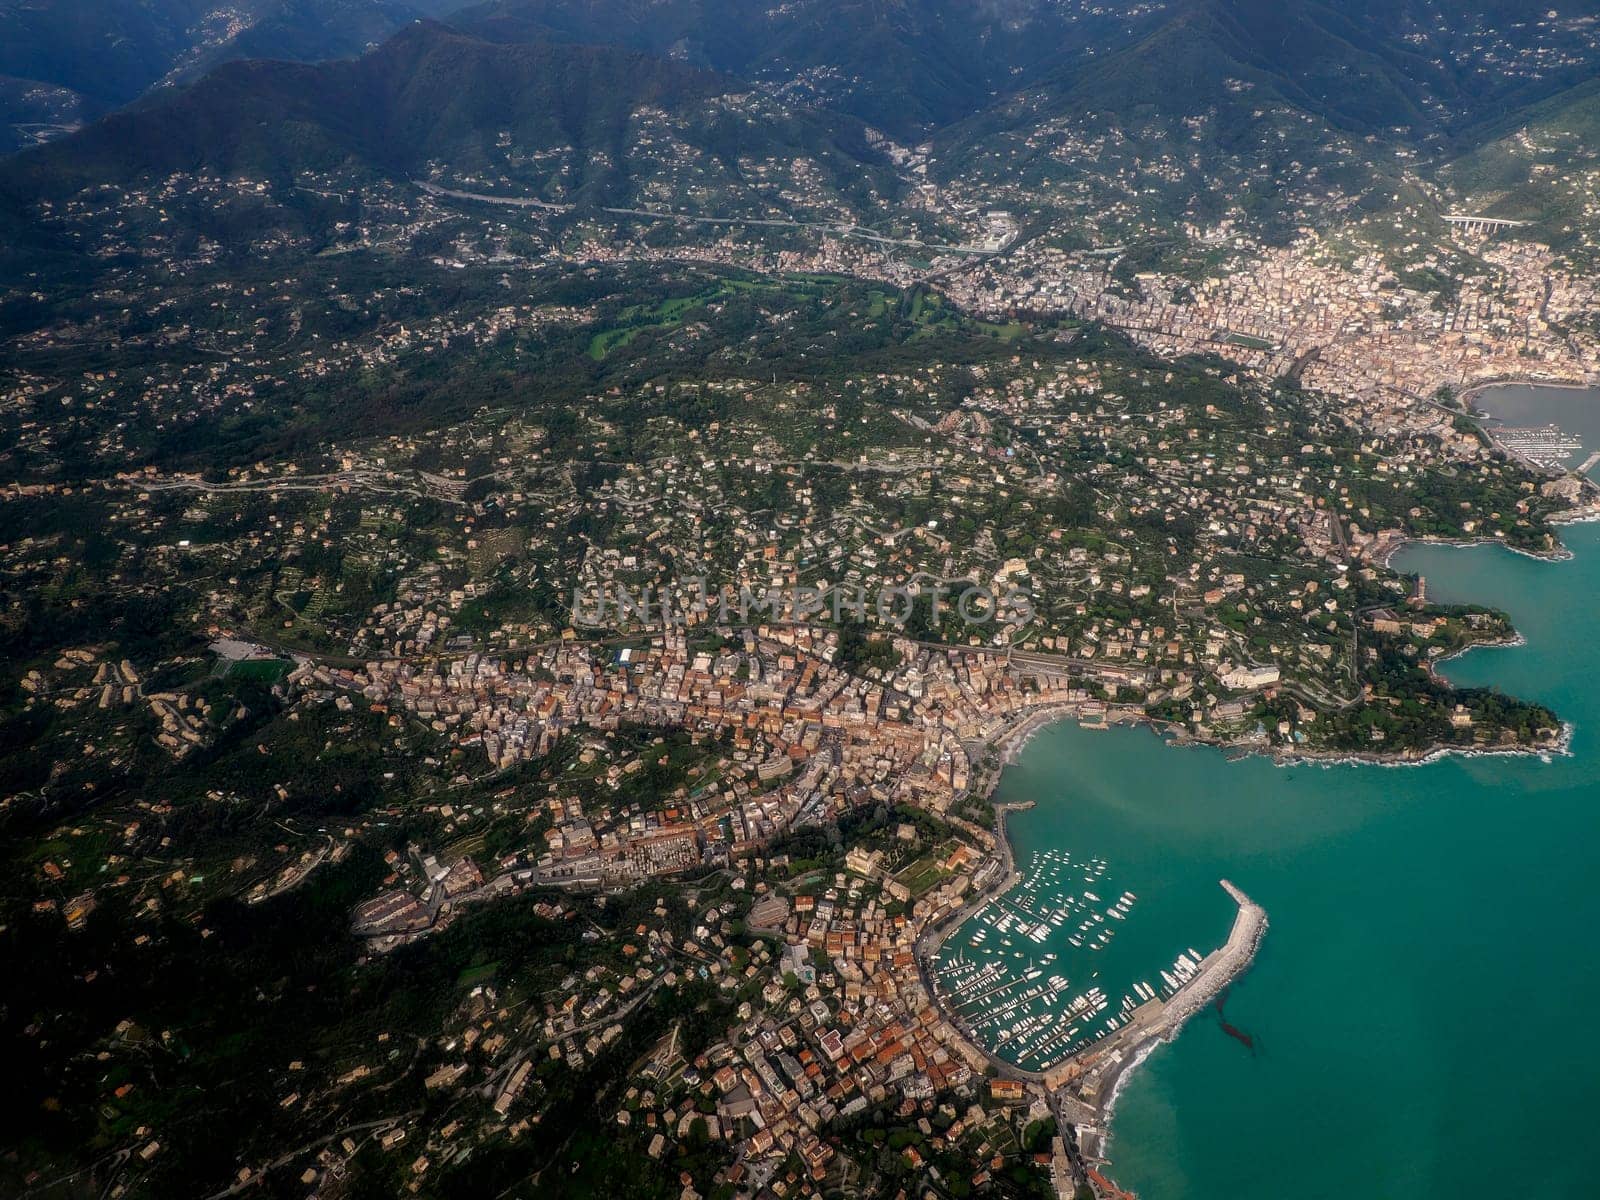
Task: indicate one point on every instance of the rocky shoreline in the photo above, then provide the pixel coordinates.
(1016, 740)
(1114, 1059)
(1572, 516)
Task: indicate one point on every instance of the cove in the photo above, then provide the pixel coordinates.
(1575, 410)
(1420, 1018)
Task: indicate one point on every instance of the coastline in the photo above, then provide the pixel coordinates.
(1101, 1069)
(1083, 1088)
(1552, 385)
(1289, 757)
(1559, 554)
(1252, 923)
(1112, 1061)
(1177, 737)
(1011, 742)
(1579, 515)
(1116, 1057)
(1584, 511)
(1135, 1061)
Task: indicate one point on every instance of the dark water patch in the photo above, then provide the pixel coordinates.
(1233, 1031)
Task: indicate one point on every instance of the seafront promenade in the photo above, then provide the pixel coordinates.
(933, 939)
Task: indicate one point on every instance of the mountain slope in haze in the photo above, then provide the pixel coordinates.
(1431, 69)
(1544, 169)
(557, 122)
(1365, 66)
(1205, 119)
(1416, 69)
(1305, 54)
(1274, 113)
(106, 53)
(33, 112)
(905, 66)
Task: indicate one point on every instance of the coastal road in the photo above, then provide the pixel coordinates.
(929, 943)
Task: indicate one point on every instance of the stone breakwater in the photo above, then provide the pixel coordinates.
(1085, 1087)
(1161, 1022)
(1221, 967)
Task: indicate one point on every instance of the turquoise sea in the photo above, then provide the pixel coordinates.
(1423, 1008)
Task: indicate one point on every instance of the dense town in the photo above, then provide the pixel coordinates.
(557, 658)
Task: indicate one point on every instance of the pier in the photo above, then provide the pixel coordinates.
(1155, 1019)
(1163, 1018)
(1082, 1087)
(1088, 1082)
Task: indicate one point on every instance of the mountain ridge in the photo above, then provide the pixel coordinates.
(553, 121)
(108, 53)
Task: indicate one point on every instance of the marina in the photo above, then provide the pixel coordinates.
(1032, 976)
(1545, 446)
(1387, 888)
(1553, 428)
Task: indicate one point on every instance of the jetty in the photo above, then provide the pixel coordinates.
(1084, 1087)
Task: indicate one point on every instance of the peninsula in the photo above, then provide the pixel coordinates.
(531, 531)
